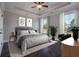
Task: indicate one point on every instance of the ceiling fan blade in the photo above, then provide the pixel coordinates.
(44, 5)
(33, 6)
(41, 2)
(38, 2)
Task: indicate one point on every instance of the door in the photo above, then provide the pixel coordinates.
(1, 31)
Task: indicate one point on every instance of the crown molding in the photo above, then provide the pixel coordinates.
(53, 10)
(57, 7)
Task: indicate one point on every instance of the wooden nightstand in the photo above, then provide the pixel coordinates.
(12, 37)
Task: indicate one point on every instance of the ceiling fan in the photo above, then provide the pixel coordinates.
(39, 5)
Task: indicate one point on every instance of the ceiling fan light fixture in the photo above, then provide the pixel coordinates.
(39, 6)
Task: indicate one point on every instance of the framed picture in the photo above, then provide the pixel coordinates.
(29, 22)
(21, 21)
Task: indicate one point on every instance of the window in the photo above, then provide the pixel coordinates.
(21, 21)
(69, 21)
(29, 22)
(44, 25)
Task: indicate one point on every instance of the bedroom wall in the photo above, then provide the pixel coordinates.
(2, 6)
(77, 17)
(9, 24)
(11, 21)
(54, 21)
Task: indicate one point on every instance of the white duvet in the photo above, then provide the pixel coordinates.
(35, 40)
(30, 41)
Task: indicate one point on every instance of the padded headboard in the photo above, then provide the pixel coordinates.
(17, 29)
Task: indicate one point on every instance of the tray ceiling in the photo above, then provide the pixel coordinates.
(25, 7)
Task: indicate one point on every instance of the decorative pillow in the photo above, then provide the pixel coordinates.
(24, 32)
(32, 32)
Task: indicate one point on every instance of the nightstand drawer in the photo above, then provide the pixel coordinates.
(0, 48)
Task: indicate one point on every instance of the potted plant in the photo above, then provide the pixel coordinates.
(53, 31)
(75, 32)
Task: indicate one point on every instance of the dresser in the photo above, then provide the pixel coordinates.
(1, 31)
(70, 48)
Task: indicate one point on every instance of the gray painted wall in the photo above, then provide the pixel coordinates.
(10, 22)
(77, 18)
(54, 21)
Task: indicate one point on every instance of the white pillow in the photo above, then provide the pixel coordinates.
(32, 32)
(24, 32)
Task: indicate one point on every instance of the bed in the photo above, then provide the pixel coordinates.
(28, 41)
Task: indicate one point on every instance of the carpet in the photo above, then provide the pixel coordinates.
(5, 51)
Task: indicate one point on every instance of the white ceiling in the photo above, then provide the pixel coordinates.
(25, 7)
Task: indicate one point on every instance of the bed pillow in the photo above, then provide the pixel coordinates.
(24, 32)
(32, 32)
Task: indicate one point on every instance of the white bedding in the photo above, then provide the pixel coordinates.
(32, 40)
(36, 40)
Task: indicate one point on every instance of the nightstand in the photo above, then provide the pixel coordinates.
(12, 37)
